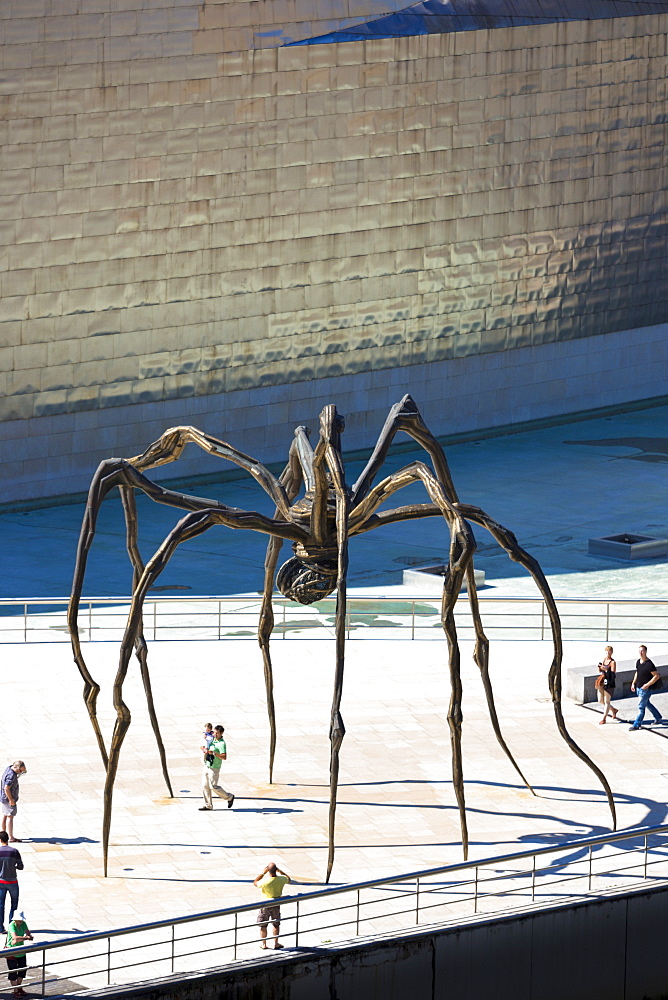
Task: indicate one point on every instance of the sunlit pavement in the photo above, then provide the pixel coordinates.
(396, 803)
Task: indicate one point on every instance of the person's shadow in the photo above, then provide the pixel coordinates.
(59, 840)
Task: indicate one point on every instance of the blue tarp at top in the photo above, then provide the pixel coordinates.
(431, 17)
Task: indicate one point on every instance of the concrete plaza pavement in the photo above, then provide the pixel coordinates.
(397, 811)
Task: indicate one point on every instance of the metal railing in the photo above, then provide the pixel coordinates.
(103, 618)
(437, 896)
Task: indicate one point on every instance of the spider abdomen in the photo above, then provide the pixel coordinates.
(306, 582)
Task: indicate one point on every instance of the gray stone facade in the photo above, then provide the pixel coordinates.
(191, 229)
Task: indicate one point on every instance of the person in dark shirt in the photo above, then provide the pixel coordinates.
(645, 680)
(10, 860)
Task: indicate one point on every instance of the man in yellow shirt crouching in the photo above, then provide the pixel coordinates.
(271, 881)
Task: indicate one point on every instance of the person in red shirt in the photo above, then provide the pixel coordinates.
(10, 860)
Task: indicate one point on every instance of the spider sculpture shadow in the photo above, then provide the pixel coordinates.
(319, 525)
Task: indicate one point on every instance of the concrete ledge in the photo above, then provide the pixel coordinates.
(628, 547)
(430, 579)
(580, 680)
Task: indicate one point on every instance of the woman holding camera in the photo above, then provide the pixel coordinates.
(605, 683)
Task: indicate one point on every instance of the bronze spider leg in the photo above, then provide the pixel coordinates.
(481, 658)
(166, 449)
(329, 448)
(129, 502)
(405, 416)
(114, 472)
(117, 472)
(169, 446)
(265, 628)
(96, 494)
(193, 524)
(509, 543)
(299, 467)
(462, 547)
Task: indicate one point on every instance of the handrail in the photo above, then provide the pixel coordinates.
(572, 845)
(394, 599)
(483, 887)
(174, 617)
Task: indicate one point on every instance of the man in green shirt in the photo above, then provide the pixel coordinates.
(271, 882)
(217, 749)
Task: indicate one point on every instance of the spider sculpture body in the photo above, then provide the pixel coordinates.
(319, 526)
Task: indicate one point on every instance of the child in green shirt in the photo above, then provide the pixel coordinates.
(17, 933)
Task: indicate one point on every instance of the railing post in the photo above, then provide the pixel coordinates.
(236, 928)
(412, 619)
(607, 620)
(590, 857)
(155, 619)
(25, 622)
(357, 919)
(475, 891)
(533, 880)
(43, 971)
(542, 619)
(108, 961)
(645, 875)
(417, 900)
(220, 616)
(90, 621)
(297, 925)
(284, 621)
(172, 949)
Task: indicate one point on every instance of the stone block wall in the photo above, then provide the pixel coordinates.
(192, 224)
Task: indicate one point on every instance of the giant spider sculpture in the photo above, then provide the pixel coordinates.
(319, 525)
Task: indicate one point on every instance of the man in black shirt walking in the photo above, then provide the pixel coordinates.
(645, 679)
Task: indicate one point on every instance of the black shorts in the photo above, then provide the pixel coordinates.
(19, 962)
